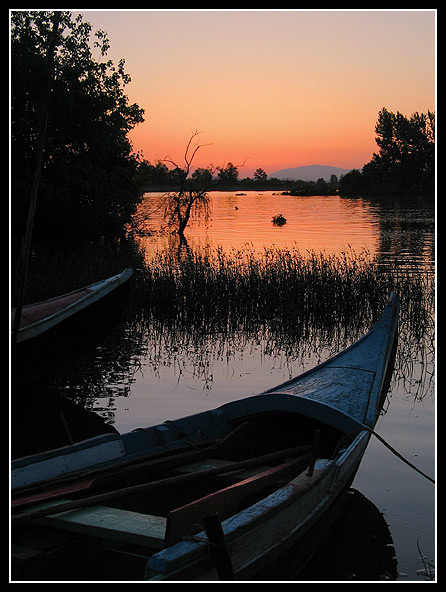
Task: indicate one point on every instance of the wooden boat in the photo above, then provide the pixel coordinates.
(37, 319)
(53, 327)
(221, 494)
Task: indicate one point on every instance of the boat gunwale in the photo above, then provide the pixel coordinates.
(177, 557)
(93, 292)
(391, 302)
(191, 551)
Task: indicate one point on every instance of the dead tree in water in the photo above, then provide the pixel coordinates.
(192, 196)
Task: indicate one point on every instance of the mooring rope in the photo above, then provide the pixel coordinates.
(395, 452)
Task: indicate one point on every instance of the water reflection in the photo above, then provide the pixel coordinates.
(406, 231)
(192, 331)
(359, 546)
(391, 229)
(231, 356)
(163, 362)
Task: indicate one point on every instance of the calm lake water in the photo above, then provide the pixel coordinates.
(165, 380)
(388, 229)
(393, 231)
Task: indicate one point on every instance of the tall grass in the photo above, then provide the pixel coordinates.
(285, 301)
(187, 311)
(280, 287)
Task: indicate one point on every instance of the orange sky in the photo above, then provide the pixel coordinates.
(278, 88)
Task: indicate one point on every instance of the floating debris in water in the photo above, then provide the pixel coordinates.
(279, 220)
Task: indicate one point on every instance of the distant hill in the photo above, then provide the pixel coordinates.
(311, 172)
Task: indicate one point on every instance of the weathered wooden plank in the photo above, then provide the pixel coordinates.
(67, 462)
(246, 532)
(227, 501)
(64, 488)
(53, 508)
(112, 523)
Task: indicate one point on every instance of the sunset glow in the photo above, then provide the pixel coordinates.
(244, 222)
(276, 89)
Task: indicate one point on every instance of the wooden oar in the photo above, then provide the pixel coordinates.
(229, 500)
(80, 482)
(119, 464)
(151, 486)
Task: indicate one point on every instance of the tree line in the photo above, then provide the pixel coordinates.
(159, 177)
(91, 180)
(403, 165)
(405, 162)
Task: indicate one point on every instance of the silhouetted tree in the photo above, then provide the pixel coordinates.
(192, 195)
(228, 175)
(406, 158)
(351, 183)
(89, 181)
(405, 162)
(260, 175)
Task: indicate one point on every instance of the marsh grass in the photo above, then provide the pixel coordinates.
(287, 303)
(190, 308)
(281, 288)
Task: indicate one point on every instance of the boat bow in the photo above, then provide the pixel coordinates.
(350, 383)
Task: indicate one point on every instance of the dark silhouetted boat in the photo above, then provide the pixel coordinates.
(54, 329)
(221, 494)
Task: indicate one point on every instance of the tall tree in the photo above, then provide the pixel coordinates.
(89, 180)
(406, 158)
(405, 162)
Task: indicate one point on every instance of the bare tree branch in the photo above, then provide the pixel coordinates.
(192, 194)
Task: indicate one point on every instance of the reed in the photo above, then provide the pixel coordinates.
(209, 303)
(280, 286)
(185, 312)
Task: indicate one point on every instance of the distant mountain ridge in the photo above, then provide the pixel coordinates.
(312, 172)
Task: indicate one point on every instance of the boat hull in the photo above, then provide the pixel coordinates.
(75, 324)
(295, 517)
(289, 520)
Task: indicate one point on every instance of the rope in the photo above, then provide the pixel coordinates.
(400, 456)
(395, 452)
(200, 539)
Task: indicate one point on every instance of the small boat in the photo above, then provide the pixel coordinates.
(37, 319)
(63, 324)
(220, 495)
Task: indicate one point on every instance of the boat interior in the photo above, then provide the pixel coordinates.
(114, 537)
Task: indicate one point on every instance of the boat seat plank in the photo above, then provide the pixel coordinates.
(112, 523)
(186, 519)
(131, 469)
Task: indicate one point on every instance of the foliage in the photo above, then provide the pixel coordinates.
(260, 175)
(158, 177)
(405, 162)
(228, 175)
(89, 181)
